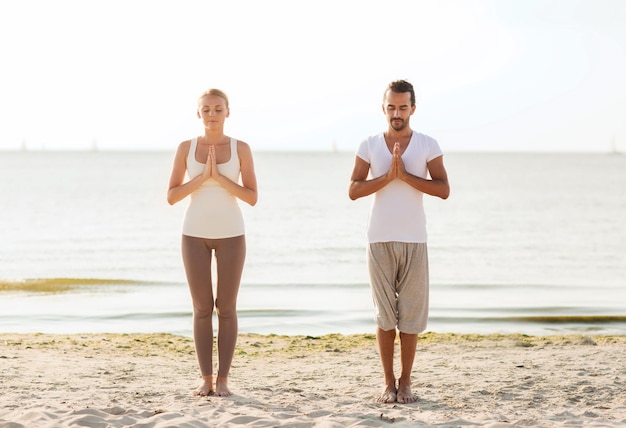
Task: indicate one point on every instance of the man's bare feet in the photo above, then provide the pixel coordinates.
(221, 387)
(405, 396)
(206, 388)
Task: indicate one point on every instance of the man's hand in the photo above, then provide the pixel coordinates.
(396, 170)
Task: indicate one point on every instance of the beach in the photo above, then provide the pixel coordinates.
(527, 299)
(147, 380)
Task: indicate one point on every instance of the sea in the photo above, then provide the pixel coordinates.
(530, 243)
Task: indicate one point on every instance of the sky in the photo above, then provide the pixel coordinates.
(490, 75)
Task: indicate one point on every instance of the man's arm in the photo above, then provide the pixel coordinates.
(360, 186)
(437, 185)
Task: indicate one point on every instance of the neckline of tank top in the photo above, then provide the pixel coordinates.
(232, 141)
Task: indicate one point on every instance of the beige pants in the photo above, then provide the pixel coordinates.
(400, 283)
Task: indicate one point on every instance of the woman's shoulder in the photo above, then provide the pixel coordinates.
(240, 143)
(243, 147)
(184, 145)
(182, 151)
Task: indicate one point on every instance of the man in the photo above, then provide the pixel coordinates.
(398, 163)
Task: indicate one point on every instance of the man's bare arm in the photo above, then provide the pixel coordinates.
(437, 185)
(360, 186)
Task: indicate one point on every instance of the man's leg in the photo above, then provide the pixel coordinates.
(386, 343)
(408, 345)
(383, 272)
(413, 312)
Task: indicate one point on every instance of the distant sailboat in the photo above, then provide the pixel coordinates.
(614, 150)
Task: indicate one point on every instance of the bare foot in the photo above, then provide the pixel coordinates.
(405, 396)
(221, 387)
(206, 388)
(388, 395)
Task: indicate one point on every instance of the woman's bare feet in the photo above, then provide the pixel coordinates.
(405, 396)
(221, 387)
(389, 393)
(206, 388)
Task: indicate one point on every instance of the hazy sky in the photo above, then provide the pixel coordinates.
(491, 75)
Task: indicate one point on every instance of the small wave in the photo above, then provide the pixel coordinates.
(144, 316)
(534, 319)
(515, 286)
(307, 285)
(61, 285)
(570, 319)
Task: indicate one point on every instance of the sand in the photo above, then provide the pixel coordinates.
(146, 380)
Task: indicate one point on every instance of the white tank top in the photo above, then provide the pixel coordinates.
(213, 212)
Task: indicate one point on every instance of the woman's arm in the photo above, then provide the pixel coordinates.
(247, 191)
(178, 189)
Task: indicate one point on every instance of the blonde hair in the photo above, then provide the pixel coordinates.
(214, 91)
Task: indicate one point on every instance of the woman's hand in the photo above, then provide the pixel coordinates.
(212, 159)
(210, 167)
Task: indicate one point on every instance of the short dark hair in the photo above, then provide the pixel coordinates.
(401, 86)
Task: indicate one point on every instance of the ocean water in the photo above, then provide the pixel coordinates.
(528, 243)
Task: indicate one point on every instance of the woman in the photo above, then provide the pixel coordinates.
(214, 164)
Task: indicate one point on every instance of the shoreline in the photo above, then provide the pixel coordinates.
(116, 380)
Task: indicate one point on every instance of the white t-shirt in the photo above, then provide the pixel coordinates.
(397, 213)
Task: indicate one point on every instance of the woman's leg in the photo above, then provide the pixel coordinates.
(230, 254)
(197, 261)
